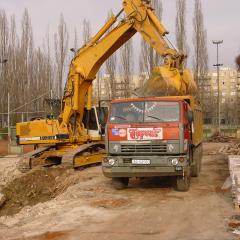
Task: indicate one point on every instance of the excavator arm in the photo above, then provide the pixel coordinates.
(139, 17)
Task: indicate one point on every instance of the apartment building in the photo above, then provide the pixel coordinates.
(229, 97)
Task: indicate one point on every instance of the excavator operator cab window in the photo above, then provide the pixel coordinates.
(92, 119)
(97, 118)
(102, 113)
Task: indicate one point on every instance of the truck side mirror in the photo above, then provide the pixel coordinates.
(190, 116)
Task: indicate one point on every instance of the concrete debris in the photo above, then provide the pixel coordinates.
(227, 184)
(237, 232)
(234, 169)
(8, 171)
(231, 149)
(220, 139)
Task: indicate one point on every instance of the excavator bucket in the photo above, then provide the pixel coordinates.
(168, 82)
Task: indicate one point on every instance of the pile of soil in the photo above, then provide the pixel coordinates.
(165, 82)
(218, 138)
(231, 149)
(37, 186)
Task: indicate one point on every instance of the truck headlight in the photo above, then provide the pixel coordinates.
(111, 161)
(175, 162)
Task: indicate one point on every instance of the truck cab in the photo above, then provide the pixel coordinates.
(148, 137)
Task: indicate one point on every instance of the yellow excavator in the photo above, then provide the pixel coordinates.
(70, 139)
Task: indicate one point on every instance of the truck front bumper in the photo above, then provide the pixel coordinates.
(140, 172)
(160, 166)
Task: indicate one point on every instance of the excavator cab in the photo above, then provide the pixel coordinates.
(95, 121)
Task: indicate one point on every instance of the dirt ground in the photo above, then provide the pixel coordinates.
(69, 205)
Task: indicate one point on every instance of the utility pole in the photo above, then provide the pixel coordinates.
(218, 65)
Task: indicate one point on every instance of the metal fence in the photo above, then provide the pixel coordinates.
(226, 130)
(12, 116)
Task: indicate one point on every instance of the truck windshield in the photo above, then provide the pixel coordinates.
(145, 111)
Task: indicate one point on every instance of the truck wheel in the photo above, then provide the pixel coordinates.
(195, 169)
(183, 183)
(200, 157)
(120, 183)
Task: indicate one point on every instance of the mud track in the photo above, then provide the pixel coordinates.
(83, 205)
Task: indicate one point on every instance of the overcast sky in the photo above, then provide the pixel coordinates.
(222, 19)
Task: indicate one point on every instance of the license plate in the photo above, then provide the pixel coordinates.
(179, 168)
(141, 162)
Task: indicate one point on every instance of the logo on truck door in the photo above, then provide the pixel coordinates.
(144, 133)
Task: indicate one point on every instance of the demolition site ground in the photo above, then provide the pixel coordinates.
(60, 203)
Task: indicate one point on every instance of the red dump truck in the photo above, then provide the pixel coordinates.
(158, 136)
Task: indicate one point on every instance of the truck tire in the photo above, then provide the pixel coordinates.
(183, 183)
(120, 183)
(195, 168)
(200, 157)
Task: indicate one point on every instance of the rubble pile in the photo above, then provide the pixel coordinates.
(231, 149)
(234, 169)
(220, 139)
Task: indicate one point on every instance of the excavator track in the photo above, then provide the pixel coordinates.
(25, 163)
(86, 154)
(94, 153)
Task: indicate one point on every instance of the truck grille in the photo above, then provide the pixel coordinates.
(158, 148)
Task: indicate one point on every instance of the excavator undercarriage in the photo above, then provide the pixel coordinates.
(67, 155)
(74, 155)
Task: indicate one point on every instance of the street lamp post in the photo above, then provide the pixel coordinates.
(218, 65)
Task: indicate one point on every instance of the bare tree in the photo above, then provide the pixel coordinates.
(4, 37)
(28, 71)
(200, 60)
(12, 64)
(181, 26)
(148, 56)
(126, 67)
(86, 30)
(26, 61)
(237, 61)
(111, 70)
(49, 70)
(61, 40)
(75, 44)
